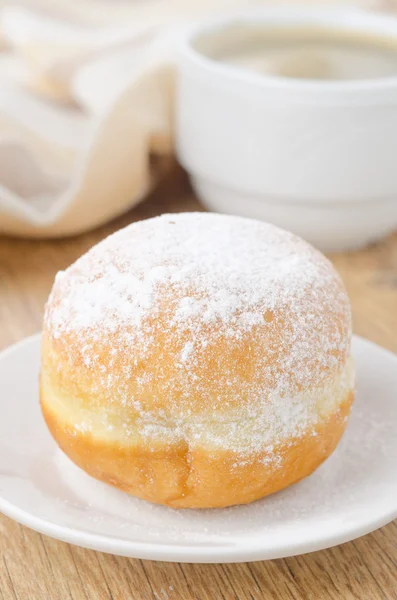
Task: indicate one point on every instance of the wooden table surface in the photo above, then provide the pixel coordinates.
(35, 567)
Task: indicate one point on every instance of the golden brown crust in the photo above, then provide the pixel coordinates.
(179, 476)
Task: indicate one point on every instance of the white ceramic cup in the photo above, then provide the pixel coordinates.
(316, 157)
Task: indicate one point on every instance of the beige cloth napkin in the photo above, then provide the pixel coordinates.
(86, 99)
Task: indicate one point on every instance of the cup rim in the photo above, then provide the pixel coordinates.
(351, 19)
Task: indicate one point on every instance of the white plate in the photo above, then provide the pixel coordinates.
(353, 493)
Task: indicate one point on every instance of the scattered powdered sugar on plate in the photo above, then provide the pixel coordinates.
(233, 311)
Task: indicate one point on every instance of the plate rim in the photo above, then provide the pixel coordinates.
(244, 552)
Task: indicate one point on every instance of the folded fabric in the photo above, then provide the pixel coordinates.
(86, 108)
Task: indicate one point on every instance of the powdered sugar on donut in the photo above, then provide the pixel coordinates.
(206, 279)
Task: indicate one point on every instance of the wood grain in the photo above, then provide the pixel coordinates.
(34, 567)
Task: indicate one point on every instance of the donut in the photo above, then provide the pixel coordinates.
(198, 360)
